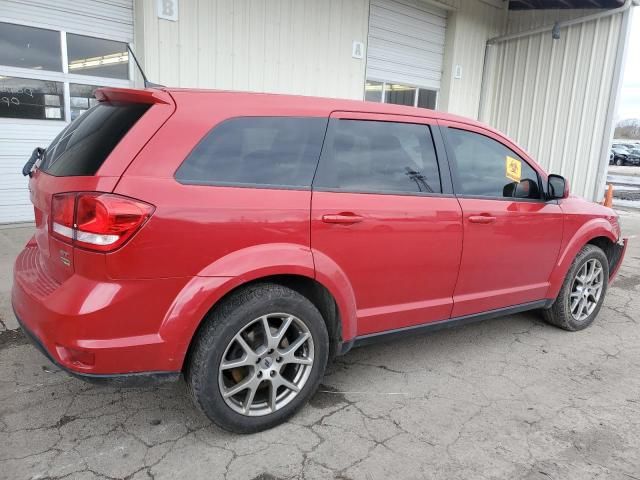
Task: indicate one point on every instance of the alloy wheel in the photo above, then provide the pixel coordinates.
(586, 289)
(266, 364)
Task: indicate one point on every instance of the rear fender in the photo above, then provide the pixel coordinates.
(597, 227)
(215, 281)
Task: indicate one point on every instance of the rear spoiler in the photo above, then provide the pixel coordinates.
(133, 95)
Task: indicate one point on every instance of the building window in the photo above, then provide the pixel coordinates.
(373, 91)
(52, 75)
(33, 99)
(82, 98)
(29, 47)
(399, 94)
(427, 98)
(97, 57)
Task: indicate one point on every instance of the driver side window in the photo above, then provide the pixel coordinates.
(486, 168)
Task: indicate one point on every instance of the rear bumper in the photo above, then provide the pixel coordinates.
(118, 380)
(97, 329)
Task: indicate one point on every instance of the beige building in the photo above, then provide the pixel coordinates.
(545, 74)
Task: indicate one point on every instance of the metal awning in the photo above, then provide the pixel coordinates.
(550, 4)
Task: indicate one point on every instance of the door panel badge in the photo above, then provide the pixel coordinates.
(64, 258)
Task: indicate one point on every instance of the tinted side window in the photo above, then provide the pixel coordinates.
(273, 151)
(485, 167)
(372, 156)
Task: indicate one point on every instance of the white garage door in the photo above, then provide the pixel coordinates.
(57, 54)
(405, 50)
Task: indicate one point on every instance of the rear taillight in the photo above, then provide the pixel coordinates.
(97, 221)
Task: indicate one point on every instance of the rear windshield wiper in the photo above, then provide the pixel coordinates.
(38, 154)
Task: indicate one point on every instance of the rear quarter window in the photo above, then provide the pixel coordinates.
(257, 151)
(82, 147)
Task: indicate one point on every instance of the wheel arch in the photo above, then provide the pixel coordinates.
(308, 287)
(311, 273)
(598, 232)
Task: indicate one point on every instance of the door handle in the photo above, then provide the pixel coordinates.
(482, 219)
(342, 218)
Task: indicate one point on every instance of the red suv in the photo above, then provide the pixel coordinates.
(245, 239)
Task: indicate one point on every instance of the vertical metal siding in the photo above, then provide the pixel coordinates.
(406, 42)
(469, 27)
(553, 96)
(292, 46)
(112, 19)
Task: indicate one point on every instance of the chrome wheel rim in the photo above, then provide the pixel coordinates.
(586, 289)
(266, 365)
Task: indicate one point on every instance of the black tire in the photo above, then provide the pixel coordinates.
(619, 162)
(559, 314)
(218, 331)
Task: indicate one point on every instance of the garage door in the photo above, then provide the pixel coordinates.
(405, 51)
(57, 55)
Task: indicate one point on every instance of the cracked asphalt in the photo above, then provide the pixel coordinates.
(509, 398)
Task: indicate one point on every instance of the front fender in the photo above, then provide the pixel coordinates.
(597, 227)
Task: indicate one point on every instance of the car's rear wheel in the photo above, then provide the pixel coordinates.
(582, 292)
(258, 358)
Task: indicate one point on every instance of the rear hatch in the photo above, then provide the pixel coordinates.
(89, 155)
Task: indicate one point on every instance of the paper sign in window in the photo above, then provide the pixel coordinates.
(513, 169)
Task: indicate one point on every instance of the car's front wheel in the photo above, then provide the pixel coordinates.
(258, 358)
(582, 292)
(619, 162)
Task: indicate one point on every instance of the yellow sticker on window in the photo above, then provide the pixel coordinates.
(513, 169)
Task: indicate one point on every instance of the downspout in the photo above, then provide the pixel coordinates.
(547, 28)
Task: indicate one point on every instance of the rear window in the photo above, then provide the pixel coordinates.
(257, 151)
(82, 147)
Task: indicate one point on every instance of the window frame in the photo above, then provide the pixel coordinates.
(62, 76)
(453, 164)
(431, 124)
(261, 186)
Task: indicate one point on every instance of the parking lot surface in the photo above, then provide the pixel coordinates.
(503, 399)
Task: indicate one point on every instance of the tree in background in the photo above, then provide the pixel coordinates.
(628, 129)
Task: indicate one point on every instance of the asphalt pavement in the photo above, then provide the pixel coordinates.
(509, 398)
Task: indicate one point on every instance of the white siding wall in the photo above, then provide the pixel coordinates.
(292, 46)
(553, 96)
(299, 46)
(469, 27)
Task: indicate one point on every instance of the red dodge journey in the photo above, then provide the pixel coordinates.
(243, 240)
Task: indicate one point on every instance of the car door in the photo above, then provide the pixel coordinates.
(383, 215)
(512, 235)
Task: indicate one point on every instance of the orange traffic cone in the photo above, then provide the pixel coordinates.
(608, 197)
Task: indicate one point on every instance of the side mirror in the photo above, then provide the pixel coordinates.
(557, 187)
